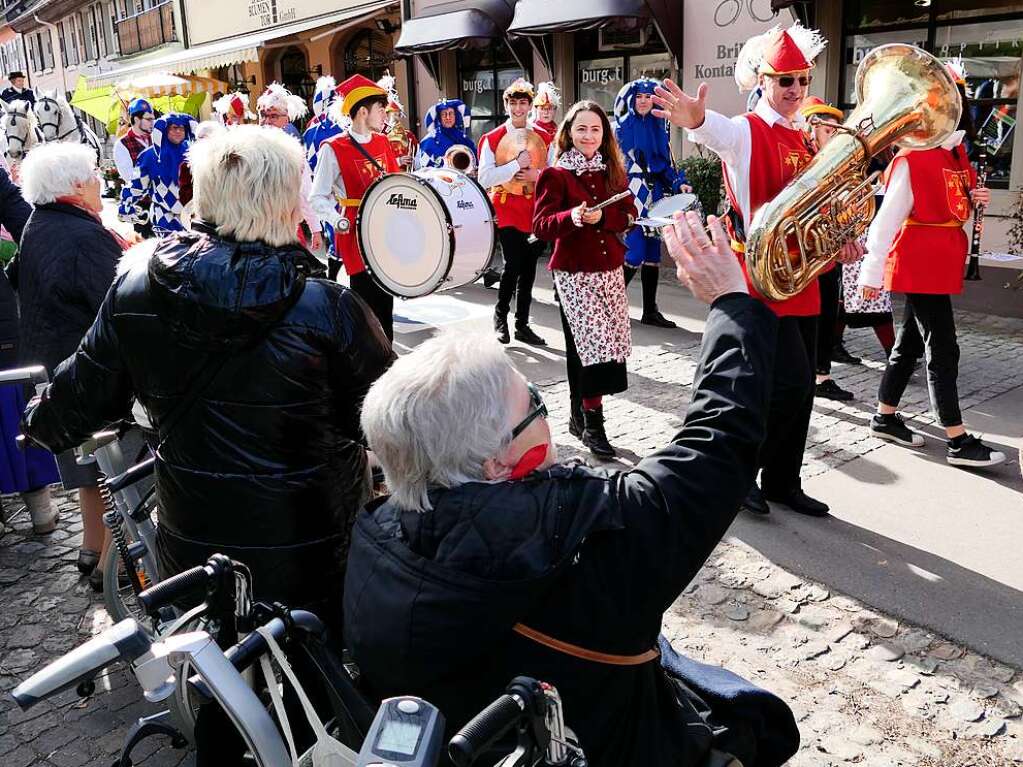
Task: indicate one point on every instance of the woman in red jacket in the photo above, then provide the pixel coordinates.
(587, 263)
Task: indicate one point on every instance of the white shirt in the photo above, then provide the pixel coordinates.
(490, 174)
(122, 159)
(732, 140)
(328, 187)
(897, 205)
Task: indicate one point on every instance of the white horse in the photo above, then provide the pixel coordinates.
(58, 122)
(20, 128)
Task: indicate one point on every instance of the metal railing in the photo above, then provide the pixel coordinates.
(146, 30)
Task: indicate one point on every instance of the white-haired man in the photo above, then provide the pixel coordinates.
(252, 371)
(490, 560)
(761, 151)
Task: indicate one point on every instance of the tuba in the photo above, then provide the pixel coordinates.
(458, 157)
(905, 96)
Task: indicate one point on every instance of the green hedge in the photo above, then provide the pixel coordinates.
(704, 175)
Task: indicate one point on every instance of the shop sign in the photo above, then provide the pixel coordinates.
(601, 75)
(268, 13)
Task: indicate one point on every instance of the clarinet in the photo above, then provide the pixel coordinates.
(973, 268)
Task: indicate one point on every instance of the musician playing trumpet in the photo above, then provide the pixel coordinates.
(761, 151)
(511, 158)
(916, 245)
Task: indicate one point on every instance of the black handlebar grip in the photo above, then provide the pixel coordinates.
(484, 729)
(135, 474)
(167, 591)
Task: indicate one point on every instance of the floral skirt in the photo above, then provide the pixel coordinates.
(859, 311)
(597, 308)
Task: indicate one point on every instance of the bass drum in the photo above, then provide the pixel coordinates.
(426, 231)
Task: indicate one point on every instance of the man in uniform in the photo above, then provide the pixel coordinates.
(511, 158)
(761, 151)
(127, 150)
(345, 167)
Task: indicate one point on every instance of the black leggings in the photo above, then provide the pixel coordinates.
(520, 257)
(932, 314)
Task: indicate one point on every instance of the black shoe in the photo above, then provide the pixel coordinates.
(754, 502)
(87, 561)
(971, 452)
(830, 390)
(576, 424)
(892, 428)
(801, 503)
(96, 581)
(594, 436)
(525, 334)
(657, 320)
(840, 354)
(491, 277)
(501, 328)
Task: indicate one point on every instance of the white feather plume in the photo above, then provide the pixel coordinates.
(276, 96)
(548, 91)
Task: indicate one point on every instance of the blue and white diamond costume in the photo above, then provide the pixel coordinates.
(157, 175)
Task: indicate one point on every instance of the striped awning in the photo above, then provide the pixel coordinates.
(155, 85)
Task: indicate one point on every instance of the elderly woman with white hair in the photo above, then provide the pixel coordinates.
(252, 370)
(490, 560)
(66, 264)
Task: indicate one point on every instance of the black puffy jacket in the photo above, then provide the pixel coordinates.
(267, 464)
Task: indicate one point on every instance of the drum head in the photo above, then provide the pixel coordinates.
(405, 235)
(667, 207)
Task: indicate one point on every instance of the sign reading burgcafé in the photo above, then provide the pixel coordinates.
(209, 21)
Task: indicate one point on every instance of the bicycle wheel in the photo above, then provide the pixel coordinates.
(118, 593)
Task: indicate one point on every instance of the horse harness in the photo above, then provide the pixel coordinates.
(76, 128)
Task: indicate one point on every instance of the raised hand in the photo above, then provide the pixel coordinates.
(707, 267)
(673, 104)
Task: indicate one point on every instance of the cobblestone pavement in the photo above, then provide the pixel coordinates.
(866, 689)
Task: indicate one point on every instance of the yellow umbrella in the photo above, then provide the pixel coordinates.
(95, 102)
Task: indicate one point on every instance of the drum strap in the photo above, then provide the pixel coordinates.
(365, 154)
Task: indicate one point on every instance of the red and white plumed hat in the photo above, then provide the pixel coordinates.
(777, 52)
(389, 84)
(236, 103)
(521, 87)
(279, 98)
(957, 68)
(547, 95)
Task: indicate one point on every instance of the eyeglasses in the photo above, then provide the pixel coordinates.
(539, 410)
(787, 81)
(272, 115)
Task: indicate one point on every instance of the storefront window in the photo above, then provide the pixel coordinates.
(883, 13)
(991, 50)
(483, 75)
(601, 79)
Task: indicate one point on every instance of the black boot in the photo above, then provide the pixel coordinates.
(575, 418)
(630, 272)
(594, 436)
(501, 327)
(525, 334)
(651, 315)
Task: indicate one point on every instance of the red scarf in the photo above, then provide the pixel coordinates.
(74, 201)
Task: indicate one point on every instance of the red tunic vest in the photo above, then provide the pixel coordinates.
(778, 154)
(358, 173)
(134, 145)
(513, 210)
(929, 253)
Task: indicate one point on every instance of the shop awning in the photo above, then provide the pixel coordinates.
(459, 28)
(235, 50)
(534, 18)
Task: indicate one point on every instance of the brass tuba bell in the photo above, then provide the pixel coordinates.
(904, 95)
(460, 158)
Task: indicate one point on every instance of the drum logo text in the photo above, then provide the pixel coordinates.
(400, 201)
(465, 205)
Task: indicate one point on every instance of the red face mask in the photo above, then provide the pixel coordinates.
(530, 461)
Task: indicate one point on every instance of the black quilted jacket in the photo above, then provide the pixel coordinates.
(267, 465)
(589, 558)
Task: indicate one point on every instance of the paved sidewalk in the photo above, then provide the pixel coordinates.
(892, 628)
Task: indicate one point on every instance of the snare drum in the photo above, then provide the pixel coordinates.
(425, 231)
(661, 212)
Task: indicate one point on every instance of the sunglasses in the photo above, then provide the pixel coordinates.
(539, 410)
(272, 115)
(787, 81)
